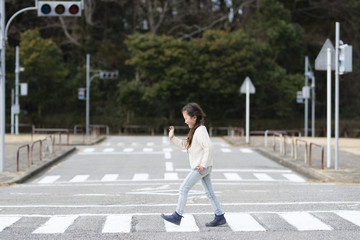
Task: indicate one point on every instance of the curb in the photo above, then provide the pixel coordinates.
(29, 174)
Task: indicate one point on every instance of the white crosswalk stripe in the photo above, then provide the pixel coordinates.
(171, 176)
(263, 177)
(304, 221)
(7, 221)
(226, 150)
(243, 222)
(351, 216)
(232, 176)
(56, 224)
(140, 177)
(109, 177)
(237, 222)
(188, 224)
(108, 150)
(49, 179)
(117, 224)
(79, 178)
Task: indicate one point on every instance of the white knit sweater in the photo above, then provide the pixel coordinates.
(201, 150)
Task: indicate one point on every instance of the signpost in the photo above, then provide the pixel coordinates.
(247, 88)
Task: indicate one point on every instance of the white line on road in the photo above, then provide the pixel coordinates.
(232, 176)
(294, 177)
(243, 222)
(79, 178)
(89, 150)
(242, 170)
(246, 150)
(225, 150)
(49, 179)
(56, 224)
(304, 221)
(128, 150)
(171, 176)
(167, 155)
(117, 224)
(6, 221)
(109, 177)
(188, 224)
(263, 177)
(148, 150)
(140, 177)
(108, 150)
(169, 166)
(352, 216)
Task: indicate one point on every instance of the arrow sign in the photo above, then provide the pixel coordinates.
(251, 86)
(321, 59)
(247, 87)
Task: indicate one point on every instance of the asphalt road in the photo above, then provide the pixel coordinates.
(119, 188)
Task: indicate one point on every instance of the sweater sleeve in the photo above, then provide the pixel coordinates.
(178, 142)
(207, 147)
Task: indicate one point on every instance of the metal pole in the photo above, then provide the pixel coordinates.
(12, 111)
(87, 93)
(337, 39)
(2, 86)
(247, 110)
(328, 108)
(17, 73)
(313, 106)
(306, 99)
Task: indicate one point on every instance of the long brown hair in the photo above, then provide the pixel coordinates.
(193, 109)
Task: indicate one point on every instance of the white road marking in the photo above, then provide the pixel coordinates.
(167, 149)
(79, 178)
(243, 222)
(169, 166)
(232, 176)
(171, 176)
(187, 224)
(148, 149)
(167, 155)
(304, 221)
(89, 150)
(294, 178)
(246, 150)
(352, 216)
(109, 177)
(225, 150)
(120, 144)
(140, 177)
(128, 150)
(150, 144)
(117, 224)
(242, 170)
(56, 224)
(49, 179)
(108, 150)
(263, 177)
(7, 221)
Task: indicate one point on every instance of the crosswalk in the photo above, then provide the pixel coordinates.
(236, 222)
(173, 175)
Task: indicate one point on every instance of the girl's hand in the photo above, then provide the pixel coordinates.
(171, 132)
(199, 168)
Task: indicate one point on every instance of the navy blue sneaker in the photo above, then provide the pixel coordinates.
(218, 220)
(174, 218)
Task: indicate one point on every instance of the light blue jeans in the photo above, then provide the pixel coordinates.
(192, 178)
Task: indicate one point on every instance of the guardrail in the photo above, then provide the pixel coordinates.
(49, 147)
(322, 154)
(18, 156)
(306, 149)
(52, 130)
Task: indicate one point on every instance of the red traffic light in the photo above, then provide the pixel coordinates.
(74, 9)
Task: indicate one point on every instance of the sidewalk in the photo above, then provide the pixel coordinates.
(349, 158)
(12, 142)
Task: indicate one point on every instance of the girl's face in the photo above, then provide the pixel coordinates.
(190, 121)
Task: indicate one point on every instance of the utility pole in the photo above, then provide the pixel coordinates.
(2, 85)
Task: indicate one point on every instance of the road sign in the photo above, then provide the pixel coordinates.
(299, 97)
(321, 59)
(81, 93)
(251, 86)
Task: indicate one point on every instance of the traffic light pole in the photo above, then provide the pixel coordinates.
(337, 39)
(2, 86)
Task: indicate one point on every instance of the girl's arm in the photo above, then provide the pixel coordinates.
(176, 141)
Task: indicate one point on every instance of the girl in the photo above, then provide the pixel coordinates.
(200, 151)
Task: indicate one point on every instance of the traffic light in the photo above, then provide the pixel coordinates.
(109, 74)
(345, 58)
(59, 8)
